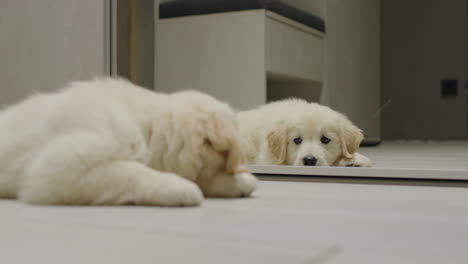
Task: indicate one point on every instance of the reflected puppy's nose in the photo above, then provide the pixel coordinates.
(309, 161)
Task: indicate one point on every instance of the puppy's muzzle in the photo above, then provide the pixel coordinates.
(309, 161)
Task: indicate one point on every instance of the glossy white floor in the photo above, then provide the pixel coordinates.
(285, 222)
(419, 154)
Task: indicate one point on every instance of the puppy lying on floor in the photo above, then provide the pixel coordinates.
(109, 142)
(295, 132)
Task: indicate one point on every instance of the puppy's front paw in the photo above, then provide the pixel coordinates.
(176, 191)
(358, 160)
(247, 183)
(230, 186)
(361, 161)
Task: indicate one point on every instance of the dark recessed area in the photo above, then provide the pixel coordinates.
(448, 88)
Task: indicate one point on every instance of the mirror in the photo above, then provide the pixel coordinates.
(396, 69)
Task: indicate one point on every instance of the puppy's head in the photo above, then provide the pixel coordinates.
(312, 135)
(204, 136)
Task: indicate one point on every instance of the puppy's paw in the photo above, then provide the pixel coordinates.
(358, 160)
(176, 191)
(361, 161)
(230, 186)
(246, 182)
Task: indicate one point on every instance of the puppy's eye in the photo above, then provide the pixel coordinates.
(324, 140)
(298, 140)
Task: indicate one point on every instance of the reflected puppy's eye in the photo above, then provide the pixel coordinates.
(324, 140)
(298, 140)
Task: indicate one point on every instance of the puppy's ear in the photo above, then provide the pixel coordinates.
(221, 135)
(351, 137)
(278, 144)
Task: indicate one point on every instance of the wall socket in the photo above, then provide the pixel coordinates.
(449, 88)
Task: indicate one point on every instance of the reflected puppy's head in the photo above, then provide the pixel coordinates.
(312, 135)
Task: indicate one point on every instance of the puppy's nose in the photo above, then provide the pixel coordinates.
(309, 161)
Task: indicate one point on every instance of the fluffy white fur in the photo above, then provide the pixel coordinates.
(268, 133)
(110, 142)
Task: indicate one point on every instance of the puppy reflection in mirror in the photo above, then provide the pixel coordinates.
(295, 132)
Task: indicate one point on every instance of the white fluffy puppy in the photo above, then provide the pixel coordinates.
(295, 132)
(110, 142)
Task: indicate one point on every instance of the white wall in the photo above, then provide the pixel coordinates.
(423, 41)
(45, 44)
(352, 58)
(352, 85)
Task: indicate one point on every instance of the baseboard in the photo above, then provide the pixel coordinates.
(370, 142)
